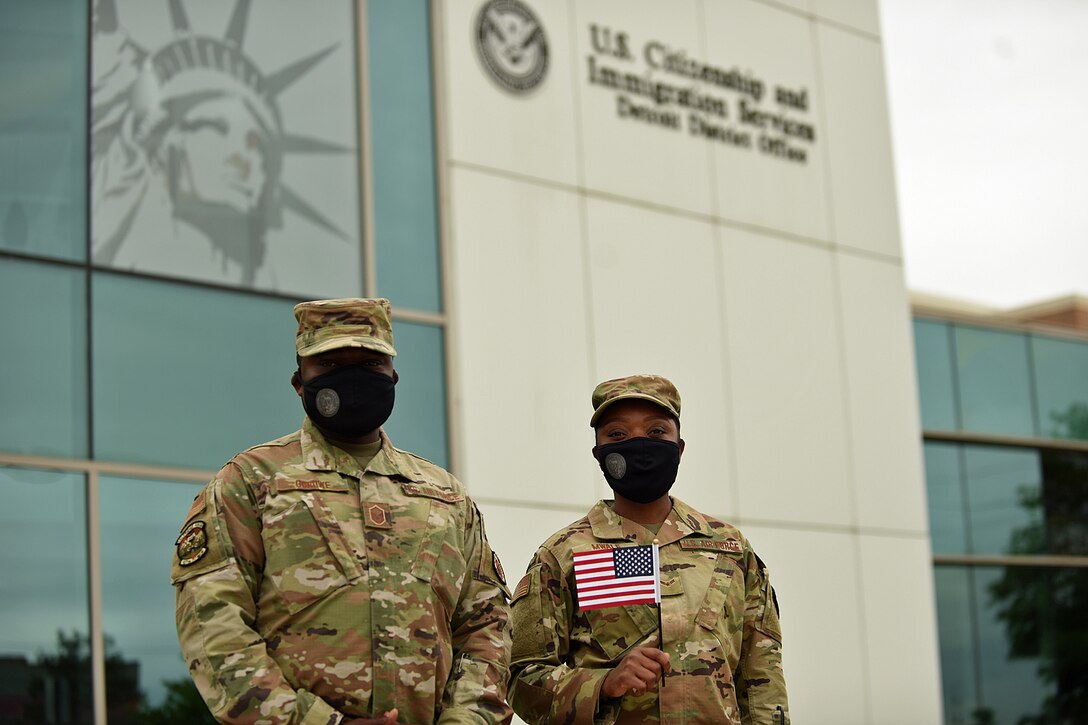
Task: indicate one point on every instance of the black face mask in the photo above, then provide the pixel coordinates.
(349, 401)
(640, 469)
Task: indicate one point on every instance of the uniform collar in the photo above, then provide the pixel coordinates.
(318, 454)
(682, 521)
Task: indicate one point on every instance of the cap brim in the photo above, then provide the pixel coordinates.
(335, 343)
(629, 396)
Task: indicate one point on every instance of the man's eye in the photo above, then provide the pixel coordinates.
(616, 434)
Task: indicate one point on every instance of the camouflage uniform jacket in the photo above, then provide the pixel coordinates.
(720, 619)
(309, 590)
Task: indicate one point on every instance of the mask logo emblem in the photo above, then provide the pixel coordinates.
(328, 402)
(616, 464)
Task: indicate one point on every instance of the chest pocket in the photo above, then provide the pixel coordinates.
(307, 555)
(722, 610)
(439, 559)
(617, 629)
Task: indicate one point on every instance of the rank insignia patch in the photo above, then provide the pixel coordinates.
(192, 544)
(379, 516)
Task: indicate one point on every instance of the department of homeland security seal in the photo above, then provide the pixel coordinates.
(328, 402)
(616, 465)
(511, 44)
(192, 544)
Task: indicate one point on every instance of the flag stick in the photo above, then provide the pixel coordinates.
(657, 595)
(661, 637)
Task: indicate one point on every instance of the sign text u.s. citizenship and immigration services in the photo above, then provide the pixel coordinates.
(663, 86)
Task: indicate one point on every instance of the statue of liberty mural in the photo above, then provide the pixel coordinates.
(188, 149)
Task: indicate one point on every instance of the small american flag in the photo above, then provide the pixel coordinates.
(621, 575)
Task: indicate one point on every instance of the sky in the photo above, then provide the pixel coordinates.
(989, 112)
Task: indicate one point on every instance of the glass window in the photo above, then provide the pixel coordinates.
(188, 377)
(43, 371)
(1003, 500)
(947, 524)
(140, 520)
(226, 150)
(1013, 643)
(403, 160)
(418, 423)
(45, 669)
(1061, 387)
(956, 642)
(933, 354)
(43, 61)
(995, 394)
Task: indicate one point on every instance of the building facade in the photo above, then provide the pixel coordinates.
(1004, 402)
(552, 193)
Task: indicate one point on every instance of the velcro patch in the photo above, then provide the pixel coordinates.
(441, 494)
(731, 545)
(296, 485)
(198, 505)
(498, 568)
(378, 515)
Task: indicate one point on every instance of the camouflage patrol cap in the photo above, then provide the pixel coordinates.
(325, 325)
(653, 388)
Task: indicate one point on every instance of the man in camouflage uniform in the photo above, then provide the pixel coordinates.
(720, 657)
(327, 577)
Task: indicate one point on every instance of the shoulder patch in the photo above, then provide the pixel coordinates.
(730, 545)
(192, 544)
(498, 568)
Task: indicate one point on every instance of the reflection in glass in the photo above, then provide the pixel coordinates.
(936, 391)
(1061, 386)
(1002, 486)
(45, 672)
(140, 520)
(995, 391)
(1064, 503)
(418, 423)
(186, 376)
(1014, 644)
(43, 376)
(42, 127)
(403, 163)
(1038, 614)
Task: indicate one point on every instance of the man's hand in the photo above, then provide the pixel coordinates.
(636, 673)
(389, 718)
